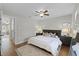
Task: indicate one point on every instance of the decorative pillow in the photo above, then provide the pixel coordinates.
(53, 35)
(46, 34)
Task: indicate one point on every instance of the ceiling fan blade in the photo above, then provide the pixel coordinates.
(45, 11)
(36, 14)
(37, 11)
(46, 14)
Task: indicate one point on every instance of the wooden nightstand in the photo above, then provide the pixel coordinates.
(66, 40)
(39, 34)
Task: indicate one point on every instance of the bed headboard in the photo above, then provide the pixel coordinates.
(58, 32)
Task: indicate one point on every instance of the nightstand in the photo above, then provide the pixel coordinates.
(39, 34)
(66, 40)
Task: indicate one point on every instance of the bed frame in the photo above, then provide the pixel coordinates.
(58, 32)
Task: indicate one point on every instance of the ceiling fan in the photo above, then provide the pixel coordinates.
(42, 13)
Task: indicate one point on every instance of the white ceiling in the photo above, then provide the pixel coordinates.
(28, 9)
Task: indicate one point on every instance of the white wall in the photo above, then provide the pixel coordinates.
(56, 23)
(25, 27)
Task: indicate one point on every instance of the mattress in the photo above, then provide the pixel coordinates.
(30, 50)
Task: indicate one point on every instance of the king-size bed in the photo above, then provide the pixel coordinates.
(48, 44)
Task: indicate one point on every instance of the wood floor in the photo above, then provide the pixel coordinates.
(8, 48)
(64, 51)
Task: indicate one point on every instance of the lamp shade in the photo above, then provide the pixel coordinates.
(38, 29)
(66, 29)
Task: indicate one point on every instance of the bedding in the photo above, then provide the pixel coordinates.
(76, 48)
(50, 34)
(51, 44)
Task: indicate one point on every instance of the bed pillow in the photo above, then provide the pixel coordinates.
(46, 34)
(53, 35)
(50, 35)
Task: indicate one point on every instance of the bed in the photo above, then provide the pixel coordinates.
(48, 42)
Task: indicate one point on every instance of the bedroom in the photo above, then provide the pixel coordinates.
(20, 22)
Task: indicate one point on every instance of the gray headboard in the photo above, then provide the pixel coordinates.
(58, 32)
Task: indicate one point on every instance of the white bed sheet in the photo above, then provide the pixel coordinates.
(48, 43)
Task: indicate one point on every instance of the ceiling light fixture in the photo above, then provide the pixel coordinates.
(42, 13)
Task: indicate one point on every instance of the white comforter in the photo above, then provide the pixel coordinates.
(48, 43)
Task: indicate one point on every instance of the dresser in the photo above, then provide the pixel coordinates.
(66, 40)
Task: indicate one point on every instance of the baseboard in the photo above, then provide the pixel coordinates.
(19, 42)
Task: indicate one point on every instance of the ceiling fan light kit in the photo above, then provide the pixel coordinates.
(42, 13)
